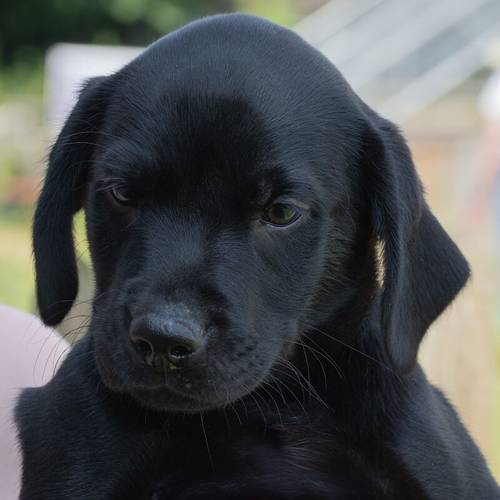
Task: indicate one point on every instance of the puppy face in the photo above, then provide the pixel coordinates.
(234, 189)
(199, 229)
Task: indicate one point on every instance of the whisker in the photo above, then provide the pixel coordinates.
(352, 348)
(297, 373)
(206, 442)
(323, 353)
(263, 387)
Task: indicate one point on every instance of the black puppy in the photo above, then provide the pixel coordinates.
(266, 267)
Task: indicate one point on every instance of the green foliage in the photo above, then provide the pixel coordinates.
(29, 27)
(16, 268)
(23, 77)
(284, 12)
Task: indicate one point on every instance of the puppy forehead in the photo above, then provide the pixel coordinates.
(220, 102)
(191, 138)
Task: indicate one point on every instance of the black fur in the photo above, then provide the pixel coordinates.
(309, 387)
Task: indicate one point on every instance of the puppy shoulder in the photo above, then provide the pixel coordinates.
(434, 446)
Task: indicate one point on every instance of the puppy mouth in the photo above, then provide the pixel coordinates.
(171, 391)
(144, 382)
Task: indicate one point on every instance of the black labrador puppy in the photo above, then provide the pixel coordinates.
(266, 267)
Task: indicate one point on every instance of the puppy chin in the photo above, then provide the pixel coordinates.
(152, 394)
(165, 400)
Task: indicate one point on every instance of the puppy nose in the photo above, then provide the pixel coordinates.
(157, 339)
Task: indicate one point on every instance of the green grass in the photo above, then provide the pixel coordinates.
(16, 267)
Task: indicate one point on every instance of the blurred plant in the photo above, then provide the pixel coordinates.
(29, 27)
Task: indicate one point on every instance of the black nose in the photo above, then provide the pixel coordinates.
(162, 338)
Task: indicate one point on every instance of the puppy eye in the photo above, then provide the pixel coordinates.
(281, 214)
(120, 195)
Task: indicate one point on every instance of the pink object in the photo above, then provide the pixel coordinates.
(29, 355)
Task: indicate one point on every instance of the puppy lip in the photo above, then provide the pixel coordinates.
(180, 396)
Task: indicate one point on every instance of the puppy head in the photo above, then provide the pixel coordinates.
(232, 184)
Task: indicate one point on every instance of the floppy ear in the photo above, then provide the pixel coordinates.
(61, 197)
(423, 269)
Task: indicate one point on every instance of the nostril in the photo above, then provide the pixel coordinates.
(178, 352)
(166, 342)
(145, 349)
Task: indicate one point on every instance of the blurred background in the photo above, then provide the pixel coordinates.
(431, 66)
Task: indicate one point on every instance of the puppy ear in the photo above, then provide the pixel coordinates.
(61, 197)
(423, 270)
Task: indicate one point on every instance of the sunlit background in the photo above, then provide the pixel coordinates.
(431, 66)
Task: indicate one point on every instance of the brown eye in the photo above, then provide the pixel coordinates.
(120, 195)
(281, 214)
